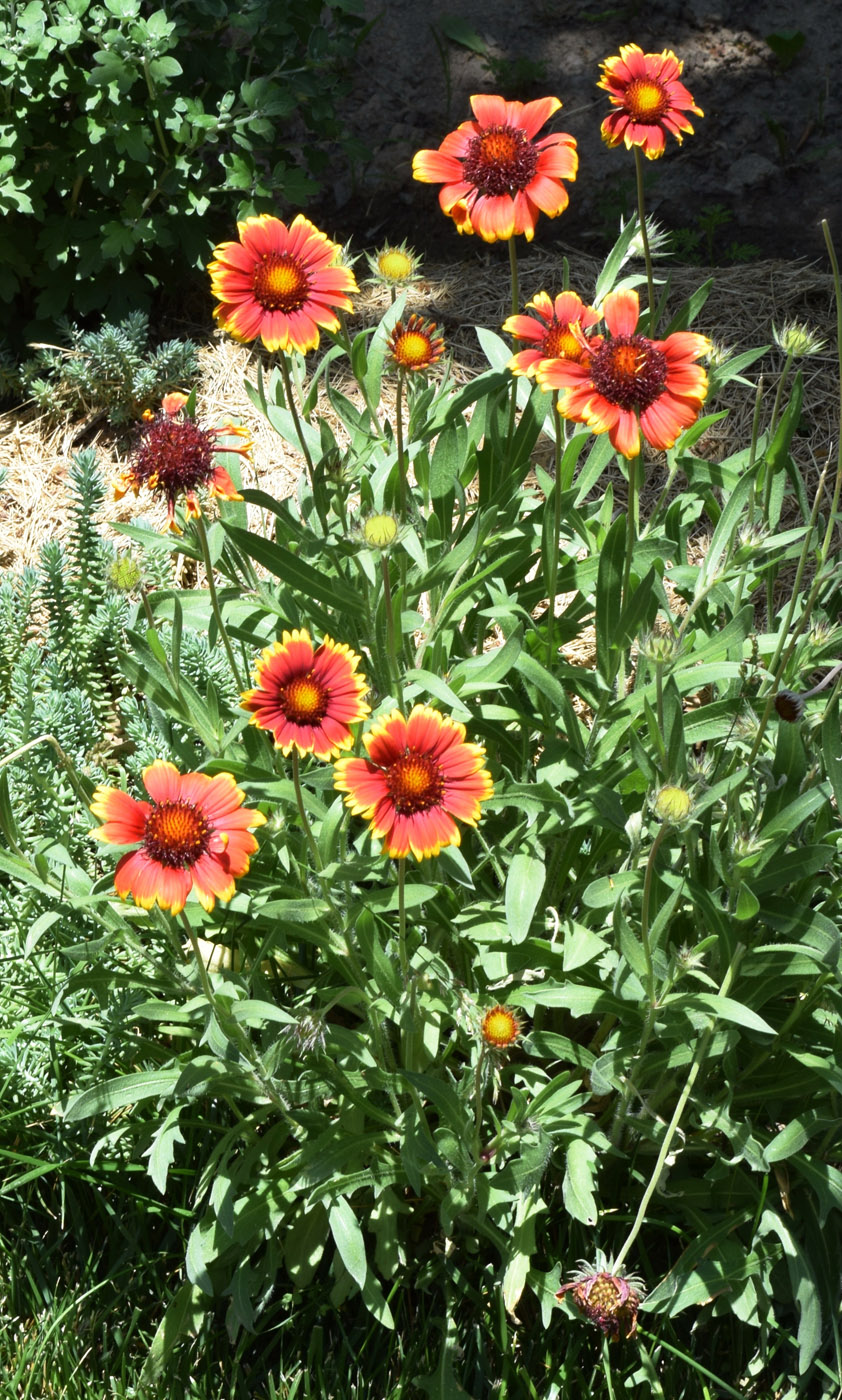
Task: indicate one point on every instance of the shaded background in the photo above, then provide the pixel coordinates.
(762, 170)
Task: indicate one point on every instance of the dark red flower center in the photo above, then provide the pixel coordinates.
(304, 699)
(176, 834)
(280, 283)
(415, 783)
(629, 371)
(560, 343)
(646, 99)
(500, 160)
(174, 454)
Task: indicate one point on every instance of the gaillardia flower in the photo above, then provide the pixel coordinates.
(501, 1027)
(280, 284)
(626, 384)
(648, 99)
(415, 345)
(176, 455)
(548, 334)
(306, 695)
(194, 835)
(418, 776)
(497, 178)
(608, 1300)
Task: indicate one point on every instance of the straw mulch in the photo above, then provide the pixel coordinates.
(745, 301)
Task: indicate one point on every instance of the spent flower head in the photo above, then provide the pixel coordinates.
(175, 455)
(609, 1300)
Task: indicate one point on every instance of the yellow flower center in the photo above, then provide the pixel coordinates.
(415, 783)
(280, 283)
(561, 344)
(395, 264)
(380, 530)
(304, 700)
(176, 834)
(412, 350)
(500, 1027)
(646, 100)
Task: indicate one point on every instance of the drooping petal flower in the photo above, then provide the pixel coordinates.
(279, 284)
(195, 834)
(307, 696)
(420, 774)
(648, 100)
(496, 177)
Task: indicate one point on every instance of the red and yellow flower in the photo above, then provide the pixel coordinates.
(306, 696)
(626, 384)
(497, 178)
(176, 455)
(280, 284)
(550, 334)
(501, 1027)
(195, 834)
(419, 775)
(648, 99)
(415, 345)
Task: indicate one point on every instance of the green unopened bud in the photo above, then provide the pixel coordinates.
(380, 531)
(125, 573)
(673, 805)
(796, 339)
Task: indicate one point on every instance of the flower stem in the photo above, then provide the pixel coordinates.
(302, 812)
(631, 524)
(644, 236)
(404, 960)
(391, 631)
(672, 1127)
(400, 446)
(515, 306)
(552, 562)
(214, 597)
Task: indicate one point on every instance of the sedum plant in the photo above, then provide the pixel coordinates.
(111, 371)
(489, 1002)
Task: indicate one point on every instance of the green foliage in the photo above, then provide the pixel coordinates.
(337, 1183)
(111, 371)
(129, 132)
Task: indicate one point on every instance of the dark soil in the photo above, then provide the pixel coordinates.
(762, 170)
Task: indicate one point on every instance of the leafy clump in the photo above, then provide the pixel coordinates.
(111, 371)
(127, 127)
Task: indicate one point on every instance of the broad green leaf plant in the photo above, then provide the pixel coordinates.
(471, 961)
